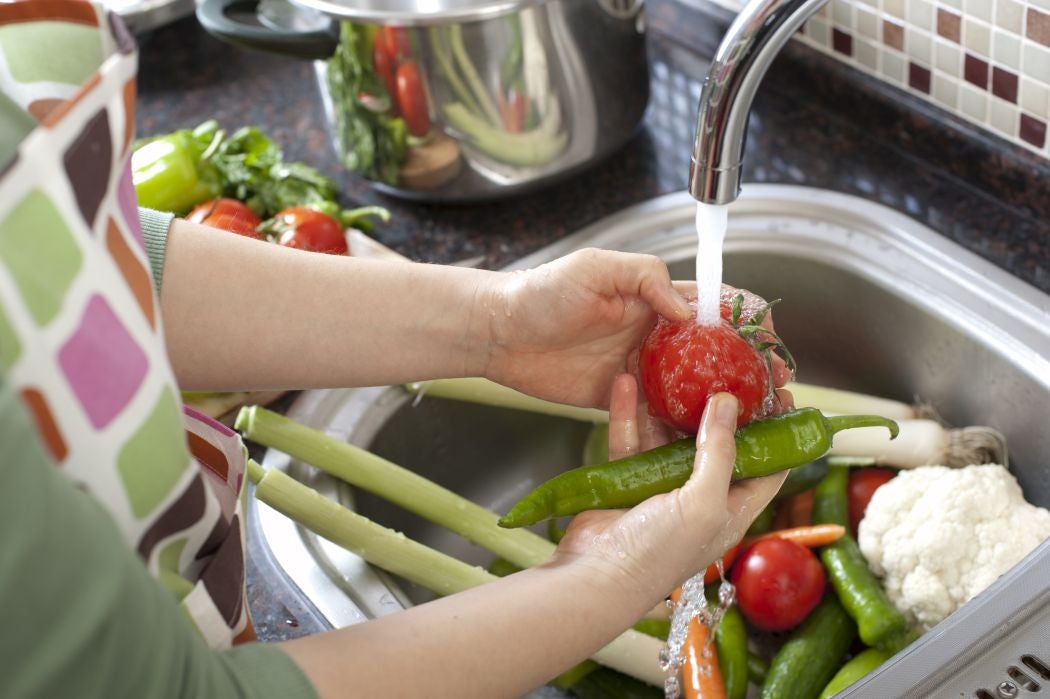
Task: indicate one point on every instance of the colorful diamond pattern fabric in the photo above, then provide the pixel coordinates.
(80, 335)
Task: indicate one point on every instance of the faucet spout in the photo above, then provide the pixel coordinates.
(746, 52)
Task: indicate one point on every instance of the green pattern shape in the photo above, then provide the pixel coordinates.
(168, 560)
(10, 347)
(29, 49)
(153, 460)
(40, 253)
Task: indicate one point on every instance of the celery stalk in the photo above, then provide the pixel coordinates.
(394, 483)
(631, 653)
(834, 400)
(485, 392)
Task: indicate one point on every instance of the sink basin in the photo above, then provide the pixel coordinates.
(872, 302)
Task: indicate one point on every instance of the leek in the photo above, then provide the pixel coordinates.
(834, 400)
(631, 653)
(485, 392)
(400, 486)
(525, 149)
(921, 443)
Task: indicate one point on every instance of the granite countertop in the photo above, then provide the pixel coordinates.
(815, 123)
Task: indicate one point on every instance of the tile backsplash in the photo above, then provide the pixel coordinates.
(986, 61)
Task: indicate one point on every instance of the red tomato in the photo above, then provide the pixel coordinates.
(863, 482)
(778, 583)
(386, 69)
(306, 229)
(227, 214)
(397, 45)
(412, 99)
(682, 364)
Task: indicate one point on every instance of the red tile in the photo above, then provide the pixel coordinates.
(842, 42)
(1039, 26)
(975, 70)
(1033, 131)
(1004, 84)
(893, 35)
(949, 24)
(919, 77)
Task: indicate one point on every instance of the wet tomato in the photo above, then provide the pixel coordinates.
(682, 364)
(396, 44)
(863, 482)
(307, 229)
(778, 583)
(386, 69)
(412, 99)
(227, 214)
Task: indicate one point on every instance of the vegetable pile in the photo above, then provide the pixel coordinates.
(241, 183)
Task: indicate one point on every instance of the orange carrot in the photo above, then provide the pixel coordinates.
(813, 536)
(711, 574)
(701, 678)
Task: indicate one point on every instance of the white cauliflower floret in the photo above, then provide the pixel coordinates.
(938, 536)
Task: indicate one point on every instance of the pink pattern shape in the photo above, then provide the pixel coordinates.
(102, 363)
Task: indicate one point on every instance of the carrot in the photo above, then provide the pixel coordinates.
(813, 536)
(711, 574)
(700, 674)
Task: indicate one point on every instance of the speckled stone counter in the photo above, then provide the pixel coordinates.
(815, 123)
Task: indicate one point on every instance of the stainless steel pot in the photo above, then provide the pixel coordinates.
(513, 94)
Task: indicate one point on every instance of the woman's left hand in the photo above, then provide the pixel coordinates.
(564, 330)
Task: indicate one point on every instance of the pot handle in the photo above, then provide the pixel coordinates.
(214, 16)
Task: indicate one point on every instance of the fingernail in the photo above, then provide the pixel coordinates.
(725, 410)
(681, 305)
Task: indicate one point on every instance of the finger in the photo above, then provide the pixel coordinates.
(715, 447)
(786, 400)
(623, 417)
(749, 497)
(651, 432)
(653, 283)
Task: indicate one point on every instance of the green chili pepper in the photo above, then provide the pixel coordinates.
(854, 670)
(757, 668)
(801, 479)
(762, 447)
(169, 176)
(878, 620)
(731, 648)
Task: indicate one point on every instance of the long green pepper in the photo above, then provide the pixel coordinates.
(763, 447)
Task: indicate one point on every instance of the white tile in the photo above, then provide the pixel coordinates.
(1044, 4)
(1003, 117)
(919, 45)
(1034, 98)
(1006, 49)
(867, 54)
(1009, 15)
(946, 92)
(973, 103)
(842, 13)
(920, 13)
(1035, 61)
(894, 7)
(867, 23)
(956, 4)
(819, 32)
(976, 36)
(981, 9)
(948, 58)
(893, 66)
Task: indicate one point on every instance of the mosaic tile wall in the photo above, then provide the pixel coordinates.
(986, 61)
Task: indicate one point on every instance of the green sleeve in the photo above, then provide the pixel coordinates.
(82, 617)
(155, 226)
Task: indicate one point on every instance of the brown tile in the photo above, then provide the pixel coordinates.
(893, 35)
(842, 42)
(1033, 130)
(919, 77)
(949, 25)
(975, 70)
(1038, 26)
(1004, 84)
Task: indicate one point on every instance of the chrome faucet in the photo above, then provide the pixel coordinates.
(746, 52)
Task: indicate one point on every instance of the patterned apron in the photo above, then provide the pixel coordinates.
(81, 340)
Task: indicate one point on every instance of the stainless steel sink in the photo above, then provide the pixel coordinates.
(872, 301)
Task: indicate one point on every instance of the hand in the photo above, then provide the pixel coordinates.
(564, 330)
(659, 543)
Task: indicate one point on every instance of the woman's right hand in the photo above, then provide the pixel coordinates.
(658, 544)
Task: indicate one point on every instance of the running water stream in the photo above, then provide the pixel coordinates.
(711, 223)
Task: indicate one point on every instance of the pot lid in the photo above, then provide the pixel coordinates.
(416, 12)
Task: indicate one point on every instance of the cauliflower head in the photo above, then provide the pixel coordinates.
(938, 536)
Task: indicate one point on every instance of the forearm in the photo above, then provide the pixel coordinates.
(498, 640)
(263, 316)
